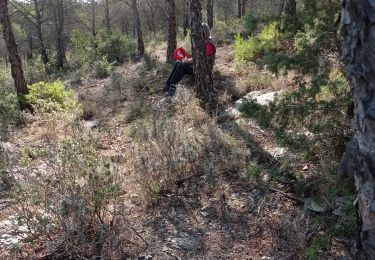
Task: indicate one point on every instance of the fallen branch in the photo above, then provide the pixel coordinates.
(286, 194)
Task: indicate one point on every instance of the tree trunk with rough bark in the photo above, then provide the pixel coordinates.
(59, 20)
(290, 7)
(239, 7)
(358, 21)
(137, 27)
(186, 17)
(14, 58)
(210, 13)
(93, 20)
(172, 30)
(203, 78)
(38, 24)
(244, 4)
(107, 16)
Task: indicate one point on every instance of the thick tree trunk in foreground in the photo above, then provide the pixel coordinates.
(14, 58)
(137, 26)
(210, 13)
(172, 31)
(202, 77)
(359, 55)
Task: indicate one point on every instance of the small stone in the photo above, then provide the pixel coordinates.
(134, 196)
(185, 241)
(315, 206)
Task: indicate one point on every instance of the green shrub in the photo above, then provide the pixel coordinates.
(116, 46)
(253, 172)
(248, 50)
(254, 48)
(101, 68)
(251, 23)
(35, 71)
(51, 97)
(9, 110)
(269, 37)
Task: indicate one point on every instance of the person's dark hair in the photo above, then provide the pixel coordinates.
(206, 30)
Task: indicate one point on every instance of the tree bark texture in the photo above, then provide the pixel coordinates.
(59, 19)
(14, 58)
(239, 6)
(210, 13)
(244, 4)
(38, 25)
(203, 78)
(186, 22)
(172, 30)
(107, 16)
(93, 20)
(290, 7)
(358, 20)
(137, 26)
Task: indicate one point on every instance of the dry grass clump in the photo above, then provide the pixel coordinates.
(178, 141)
(72, 205)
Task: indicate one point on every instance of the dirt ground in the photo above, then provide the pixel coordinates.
(234, 220)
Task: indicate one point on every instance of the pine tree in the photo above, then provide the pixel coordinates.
(202, 76)
(172, 31)
(14, 58)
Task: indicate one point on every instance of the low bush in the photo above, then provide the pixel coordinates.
(49, 97)
(254, 48)
(250, 23)
(74, 207)
(101, 68)
(181, 142)
(35, 71)
(248, 50)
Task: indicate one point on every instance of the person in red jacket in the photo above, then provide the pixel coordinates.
(185, 67)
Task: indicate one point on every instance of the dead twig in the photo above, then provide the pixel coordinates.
(286, 194)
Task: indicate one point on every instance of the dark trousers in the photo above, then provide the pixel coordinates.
(179, 70)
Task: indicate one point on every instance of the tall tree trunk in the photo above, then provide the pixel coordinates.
(359, 55)
(202, 76)
(107, 16)
(186, 17)
(290, 7)
(14, 58)
(138, 29)
(38, 17)
(59, 16)
(93, 21)
(239, 6)
(172, 31)
(210, 13)
(244, 4)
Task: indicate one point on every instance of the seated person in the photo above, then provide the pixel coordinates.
(185, 67)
